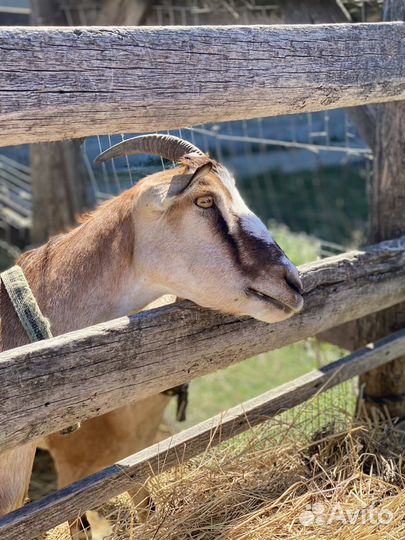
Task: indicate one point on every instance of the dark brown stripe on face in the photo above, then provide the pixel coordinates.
(257, 255)
(222, 227)
(251, 254)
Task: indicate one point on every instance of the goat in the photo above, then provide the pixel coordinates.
(185, 232)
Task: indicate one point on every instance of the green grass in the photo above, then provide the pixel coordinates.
(223, 389)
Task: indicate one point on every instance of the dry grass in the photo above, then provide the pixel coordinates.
(270, 483)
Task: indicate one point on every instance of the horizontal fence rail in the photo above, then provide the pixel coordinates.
(52, 384)
(71, 502)
(61, 83)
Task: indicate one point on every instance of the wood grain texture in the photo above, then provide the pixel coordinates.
(90, 492)
(61, 83)
(52, 384)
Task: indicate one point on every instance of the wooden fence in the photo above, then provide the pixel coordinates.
(72, 501)
(75, 82)
(127, 79)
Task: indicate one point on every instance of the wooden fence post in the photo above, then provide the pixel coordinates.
(122, 12)
(384, 387)
(383, 128)
(60, 184)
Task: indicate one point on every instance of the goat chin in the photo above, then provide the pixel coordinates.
(272, 316)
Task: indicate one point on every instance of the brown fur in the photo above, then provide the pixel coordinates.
(64, 267)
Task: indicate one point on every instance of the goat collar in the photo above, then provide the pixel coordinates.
(34, 323)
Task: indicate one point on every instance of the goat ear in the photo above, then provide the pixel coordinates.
(198, 173)
(181, 183)
(162, 196)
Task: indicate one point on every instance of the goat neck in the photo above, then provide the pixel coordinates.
(85, 276)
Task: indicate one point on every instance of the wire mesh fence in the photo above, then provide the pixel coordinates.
(196, 12)
(308, 171)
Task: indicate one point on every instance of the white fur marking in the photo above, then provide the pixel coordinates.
(250, 223)
(255, 227)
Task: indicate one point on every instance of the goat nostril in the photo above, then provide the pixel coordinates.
(293, 281)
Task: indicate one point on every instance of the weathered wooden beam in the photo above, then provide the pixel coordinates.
(48, 385)
(384, 388)
(71, 502)
(73, 82)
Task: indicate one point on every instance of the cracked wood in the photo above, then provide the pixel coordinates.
(61, 83)
(72, 501)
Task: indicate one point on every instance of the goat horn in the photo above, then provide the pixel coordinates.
(167, 146)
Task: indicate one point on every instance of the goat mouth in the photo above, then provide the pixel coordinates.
(269, 300)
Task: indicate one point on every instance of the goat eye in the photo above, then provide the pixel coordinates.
(206, 201)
